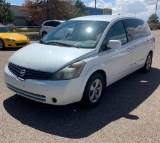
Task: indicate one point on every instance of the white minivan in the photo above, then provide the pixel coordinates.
(100, 50)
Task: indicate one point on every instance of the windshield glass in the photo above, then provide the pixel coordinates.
(80, 34)
(5, 29)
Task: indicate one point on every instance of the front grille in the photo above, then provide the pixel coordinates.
(26, 73)
(21, 44)
(27, 94)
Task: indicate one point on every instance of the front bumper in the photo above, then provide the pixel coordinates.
(64, 91)
(16, 44)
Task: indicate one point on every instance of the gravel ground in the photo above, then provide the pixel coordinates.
(129, 113)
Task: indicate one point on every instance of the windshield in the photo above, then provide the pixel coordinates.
(5, 29)
(80, 34)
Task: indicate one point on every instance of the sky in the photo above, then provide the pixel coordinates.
(137, 8)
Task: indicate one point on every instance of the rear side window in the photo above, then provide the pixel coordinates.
(135, 28)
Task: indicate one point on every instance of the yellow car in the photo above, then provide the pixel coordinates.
(9, 39)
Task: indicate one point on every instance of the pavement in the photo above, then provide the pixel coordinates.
(129, 113)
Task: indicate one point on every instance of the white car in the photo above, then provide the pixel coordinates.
(101, 50)
(48, 26)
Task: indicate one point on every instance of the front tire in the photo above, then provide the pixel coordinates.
(94, 91)
(148, 63)
(1, 45)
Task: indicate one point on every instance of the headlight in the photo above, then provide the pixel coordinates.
(69, 72)
(9, 39)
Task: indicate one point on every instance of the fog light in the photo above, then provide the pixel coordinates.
(54, 100)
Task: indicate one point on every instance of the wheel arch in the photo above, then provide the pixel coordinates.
(151, 52)
(100, 71)
(2, 40)
(3, 43)
(84, 99)
(43, 32)
(96, 71)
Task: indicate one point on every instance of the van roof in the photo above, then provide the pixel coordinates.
(107, 18)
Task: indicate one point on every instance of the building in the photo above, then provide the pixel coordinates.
(20, 19)
(98, 11)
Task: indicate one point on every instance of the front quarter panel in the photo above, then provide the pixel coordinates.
(92, 65)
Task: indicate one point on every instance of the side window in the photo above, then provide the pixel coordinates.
(45, 24)
(51, 24)
(54, 23)
(135, 28)
(116, 32)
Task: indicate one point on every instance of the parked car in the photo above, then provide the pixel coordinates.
(100, 51)
(10, 39)
(49, 25)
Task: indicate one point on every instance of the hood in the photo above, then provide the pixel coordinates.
(15, 36)
(48, 58)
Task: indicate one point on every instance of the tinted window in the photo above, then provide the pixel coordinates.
(55, 23)
(46, 23)
(5, 29)
(135, 28)
(116, 32)
(52, 23)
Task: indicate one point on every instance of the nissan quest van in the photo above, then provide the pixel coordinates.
(100, 50)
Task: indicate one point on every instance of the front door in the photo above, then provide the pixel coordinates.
(117, 61)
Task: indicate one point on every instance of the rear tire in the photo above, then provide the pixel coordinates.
(2, 47)
(148, 63)
(94, 91)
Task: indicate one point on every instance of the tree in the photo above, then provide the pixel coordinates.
(6, 15)
(79, 8)
(153, 19)
(41, 10)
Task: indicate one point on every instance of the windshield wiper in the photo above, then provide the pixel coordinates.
(57, 43)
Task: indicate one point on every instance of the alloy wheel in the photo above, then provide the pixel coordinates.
(95, 91)
(148, 62)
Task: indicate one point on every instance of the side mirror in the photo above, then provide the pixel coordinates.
(115, 44)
